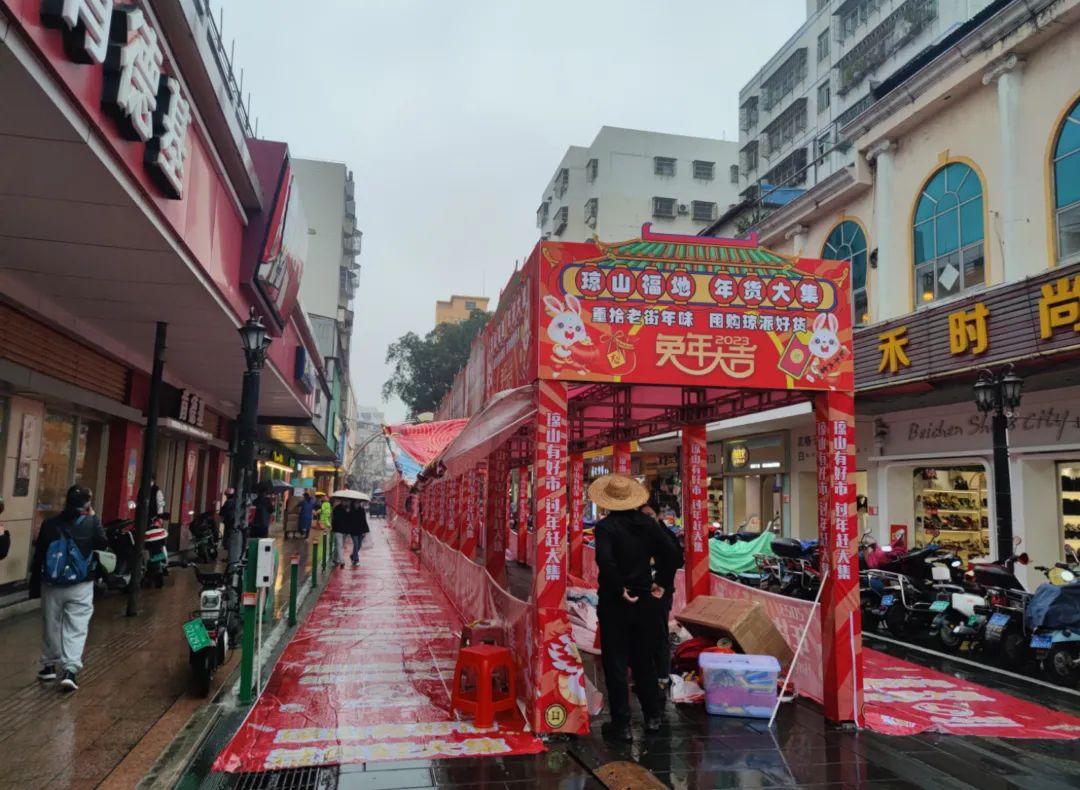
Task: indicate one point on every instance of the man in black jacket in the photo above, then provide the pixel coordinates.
(66, 609)
(630, 548)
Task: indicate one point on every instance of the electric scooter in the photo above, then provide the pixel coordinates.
(204, 537)
(157, 556)
(214, 627)
(120, 537)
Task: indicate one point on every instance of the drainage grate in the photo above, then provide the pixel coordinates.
(314, 778)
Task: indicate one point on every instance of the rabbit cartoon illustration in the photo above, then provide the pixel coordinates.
(824, 346)
(567, 329)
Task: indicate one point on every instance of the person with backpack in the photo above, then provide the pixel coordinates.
(61, 577)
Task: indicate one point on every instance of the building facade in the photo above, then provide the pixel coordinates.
(960, 214)
(792, 111)
(628, 177)
(327, 291)
(120, 211)
(458, 308)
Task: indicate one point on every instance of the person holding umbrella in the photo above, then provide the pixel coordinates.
(358, 528)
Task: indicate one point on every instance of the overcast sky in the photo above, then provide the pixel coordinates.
(453, 115)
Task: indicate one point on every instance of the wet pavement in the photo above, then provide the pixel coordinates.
(134, 691)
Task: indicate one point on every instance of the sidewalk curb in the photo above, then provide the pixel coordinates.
(174, 760)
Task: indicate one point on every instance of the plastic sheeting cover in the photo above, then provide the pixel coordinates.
(487, 429)
(738, 557)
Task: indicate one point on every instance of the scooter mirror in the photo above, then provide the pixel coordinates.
(1017, 540)
(1023, 559)
(131, 505)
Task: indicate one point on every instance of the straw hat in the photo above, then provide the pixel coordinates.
(618, 492)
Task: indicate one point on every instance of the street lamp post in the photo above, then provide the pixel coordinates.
(999, 394)
(255, 341)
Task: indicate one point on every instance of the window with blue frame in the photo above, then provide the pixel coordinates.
(847, 242)
(1067, 187)
(948, 234)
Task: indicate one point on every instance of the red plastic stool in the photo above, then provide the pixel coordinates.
(482, 632)
(481, 662)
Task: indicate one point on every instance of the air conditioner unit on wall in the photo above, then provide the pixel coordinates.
(684, 209)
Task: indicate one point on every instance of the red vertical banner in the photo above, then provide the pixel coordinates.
(453, 511)
(695, 510)
(498, 473)
(440, 508)
(523, 515)
(841, 622)
(575, 486)
(468, 513)
(620, 461)
(481, 510)
(412, 503)
(558, 676)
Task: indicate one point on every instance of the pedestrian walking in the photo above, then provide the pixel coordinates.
(341, 524)
(636, 565)
(304, 514)
(61, 577)
(662, 657)
(5, 536)
(264, 512)
(157, 498)
(358, 528)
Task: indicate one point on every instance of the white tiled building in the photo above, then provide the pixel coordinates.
(628, 177)
(791, 112)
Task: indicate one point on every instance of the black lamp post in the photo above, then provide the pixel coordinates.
(999, 394)
(254, 341)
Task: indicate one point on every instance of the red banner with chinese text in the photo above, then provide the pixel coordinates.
(837, 532)
(658, 312)
(576, 489)
(695, 510)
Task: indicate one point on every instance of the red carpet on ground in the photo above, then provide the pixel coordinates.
(903, 698)
(367, 677)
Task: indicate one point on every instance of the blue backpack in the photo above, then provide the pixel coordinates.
(64, 562)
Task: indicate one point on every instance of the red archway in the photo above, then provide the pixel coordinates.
(597, 345)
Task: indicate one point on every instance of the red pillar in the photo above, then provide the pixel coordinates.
(444, 511)
(576, 492)
(620, 460)
(453, 518)
(495, 521)
(121, 470)
(523, 515)
(841, 622)
(481, 511)
(469, 514)
(412, 505)
(695, 511)
(553, 709)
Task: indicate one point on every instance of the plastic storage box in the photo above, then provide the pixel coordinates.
(739, 685)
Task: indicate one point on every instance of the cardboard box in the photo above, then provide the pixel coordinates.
(745, 622)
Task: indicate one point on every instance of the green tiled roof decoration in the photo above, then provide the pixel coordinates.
(693, 253)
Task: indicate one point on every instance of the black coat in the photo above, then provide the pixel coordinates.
(358, 521)
(340, 519)
(629, 547)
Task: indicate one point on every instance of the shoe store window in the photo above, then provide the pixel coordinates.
(952, 503)
(1069, 477)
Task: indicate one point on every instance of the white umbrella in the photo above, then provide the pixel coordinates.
(346, 493)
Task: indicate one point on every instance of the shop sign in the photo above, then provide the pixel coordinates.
(302, 371)
(284, 248)
(757, 455)
(507, 340)
(1037, 316)
(688, 315)
(146, 103)
(1043, 419)
(192, 409)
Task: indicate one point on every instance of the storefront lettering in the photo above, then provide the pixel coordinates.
(967, 330)
(148, 104)
(980, 424)
(891, 344)
(1059, 306)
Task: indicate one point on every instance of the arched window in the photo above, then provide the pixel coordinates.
(847, 242)
(949, 256)
(1067, 186)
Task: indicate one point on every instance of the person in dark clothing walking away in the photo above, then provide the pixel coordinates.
(662, 657)
(264, 512)
(60, 576)
(340, 526)
(637, 567)
(304, 514)
(358, 528)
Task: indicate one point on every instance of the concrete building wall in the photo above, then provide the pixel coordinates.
(625, 182)
(457, 308)
(322, 188)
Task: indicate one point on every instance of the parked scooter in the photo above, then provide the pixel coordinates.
(919, 586)
(120, 537)
(1053, 615)
(157, 556)
(215, 627)
(967, 617)
(204, 537)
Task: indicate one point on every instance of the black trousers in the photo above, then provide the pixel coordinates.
(662, 656)
(628, 637)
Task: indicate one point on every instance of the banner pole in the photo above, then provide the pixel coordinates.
(798, 649)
